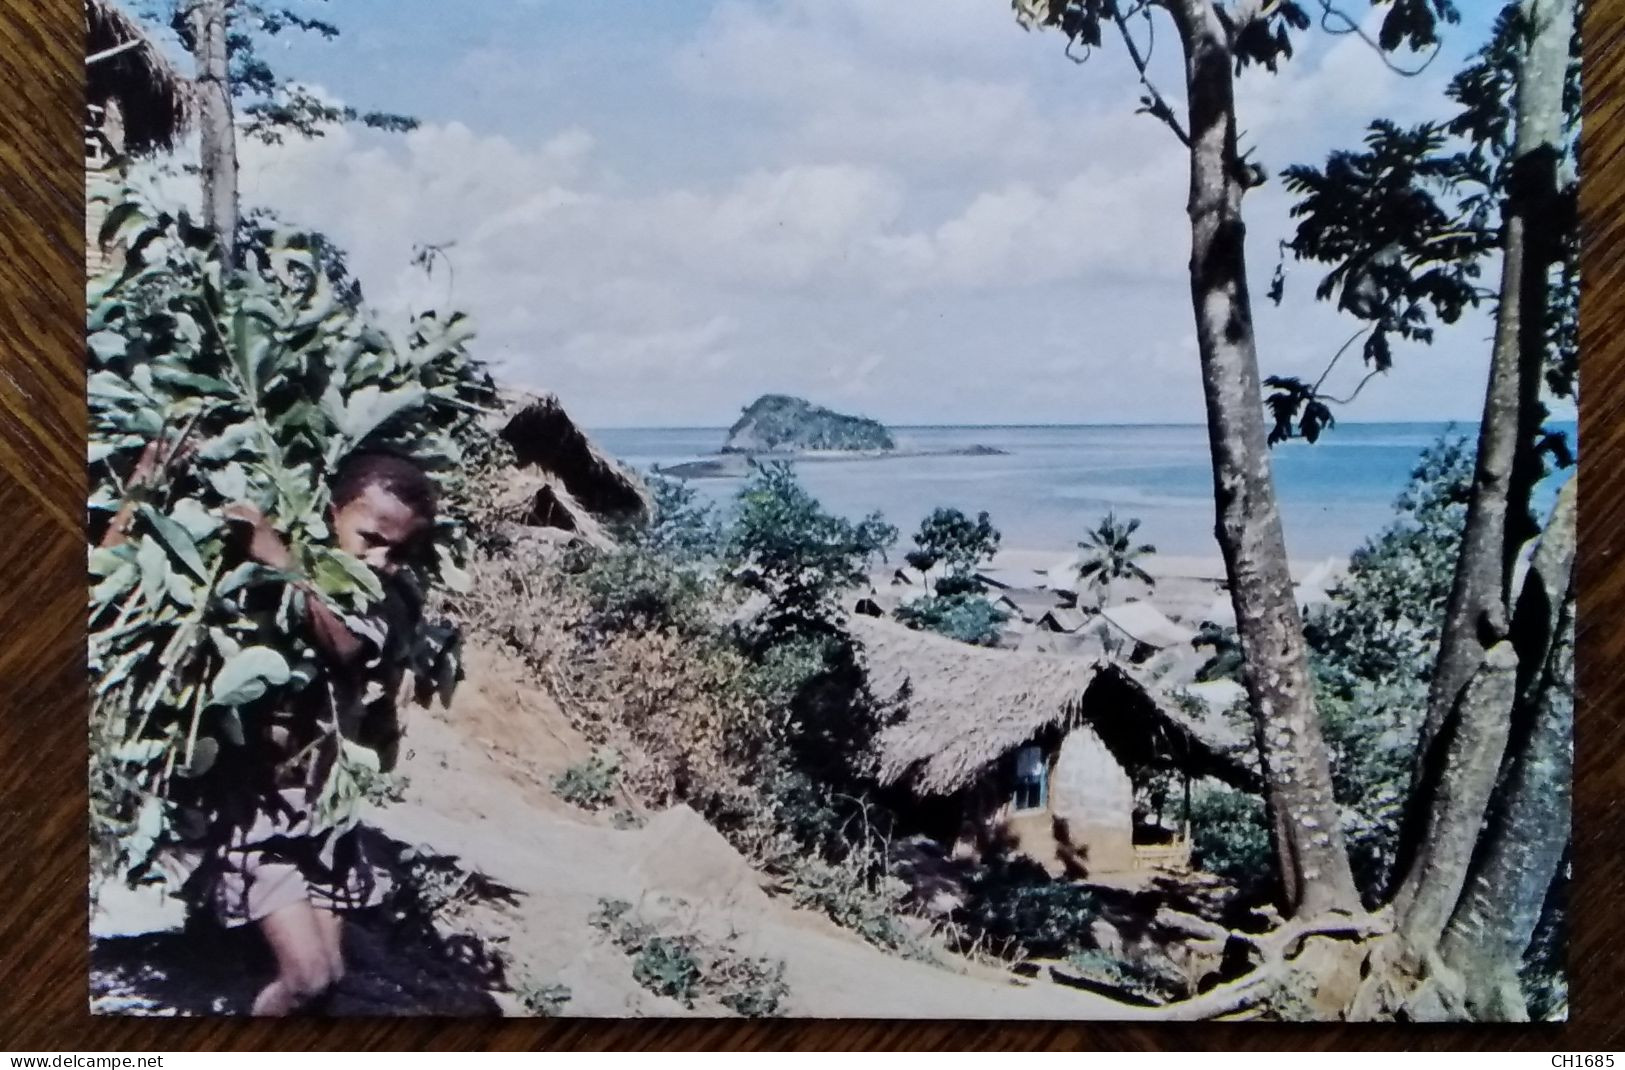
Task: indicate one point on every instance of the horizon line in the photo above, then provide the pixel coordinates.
(1051, 426)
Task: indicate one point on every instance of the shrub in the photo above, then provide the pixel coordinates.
(589, 784)
(685, 967)
(1017, 904)
(1373, 651)
(969, 618)
(543, 1001)
(784, 545)
(1230, 835)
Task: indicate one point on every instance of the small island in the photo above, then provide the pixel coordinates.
(778, 426)
(779, 423)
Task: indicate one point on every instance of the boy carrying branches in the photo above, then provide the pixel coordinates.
(272, 860)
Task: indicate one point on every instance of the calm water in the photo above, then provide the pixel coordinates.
(1053, 483)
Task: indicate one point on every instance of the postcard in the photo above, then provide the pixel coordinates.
(925, 509)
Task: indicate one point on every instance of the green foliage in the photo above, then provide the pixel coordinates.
(682, 527)
(1109, 554)
(1261, 36)
(853, 892)
(543, 1000)
(1127, 975)
(1373, 651)
(591, 784)
(785, 545)
(270, 381)
(686, 967)
(777, 422)
(1226, 661)
(949, 538)
(1230, 835)
(1410, 223)
(1016, 904)
(969, 618)
(269, 106)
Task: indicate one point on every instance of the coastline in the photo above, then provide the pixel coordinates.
(732, 464)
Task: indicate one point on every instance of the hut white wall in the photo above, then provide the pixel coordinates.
(1092, 799)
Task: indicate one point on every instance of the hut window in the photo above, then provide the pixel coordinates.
(1031, 780)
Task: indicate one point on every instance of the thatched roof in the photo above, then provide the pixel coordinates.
(542, 434)
(1145, 623)
(966, 707)
(125, 67)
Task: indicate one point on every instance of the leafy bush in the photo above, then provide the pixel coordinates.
(1373, 651)
(660, 574)
(785, 546)
(589, 784)
(685, 967)
(1230, 835)
(1018, 905)
(543, 1000)
(270, 378)
(969, 618)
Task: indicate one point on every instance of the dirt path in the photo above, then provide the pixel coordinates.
(487, 803)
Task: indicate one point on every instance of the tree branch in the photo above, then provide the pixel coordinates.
(1158, 107)
(1350, 25)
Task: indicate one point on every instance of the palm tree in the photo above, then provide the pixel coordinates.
(1110, 554)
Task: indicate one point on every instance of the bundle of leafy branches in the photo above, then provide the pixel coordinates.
(265, 375)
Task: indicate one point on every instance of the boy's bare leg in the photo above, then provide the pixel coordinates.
(299, 940)
(332, 927)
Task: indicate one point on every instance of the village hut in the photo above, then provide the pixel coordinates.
(136, 104)
(1028, 604)
(139, 103)
(545, 440)
(1002, 752)
(1147, 628)
(1063, 620)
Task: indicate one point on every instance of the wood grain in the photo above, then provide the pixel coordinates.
(42, 683)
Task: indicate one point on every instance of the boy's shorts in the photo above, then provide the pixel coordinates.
(281, 858)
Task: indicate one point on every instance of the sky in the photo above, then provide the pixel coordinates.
(911, 209)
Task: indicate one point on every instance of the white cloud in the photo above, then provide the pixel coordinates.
(912, 206)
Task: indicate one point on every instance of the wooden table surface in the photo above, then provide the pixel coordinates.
(42, 680)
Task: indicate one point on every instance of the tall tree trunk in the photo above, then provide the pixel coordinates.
(1529, 823)
(1476, 616)
(217, 133)
(1304, 817)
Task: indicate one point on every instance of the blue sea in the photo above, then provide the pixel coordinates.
(1053, 483)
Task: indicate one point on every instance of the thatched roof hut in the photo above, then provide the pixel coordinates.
(128, 75)
(1145, 623)
(543, 435)
(967, 707)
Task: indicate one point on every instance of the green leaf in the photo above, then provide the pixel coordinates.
(106, 346)
(175, 537)
(204, 752)
(368, 408)
(231, 726)
(154, 565)
(337, 573)
(240, 577)
(197, 521)
(109, 388)
(140, 751)
(248, 675)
